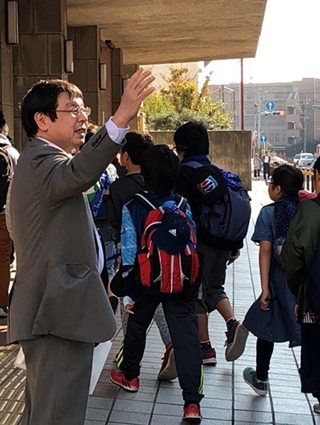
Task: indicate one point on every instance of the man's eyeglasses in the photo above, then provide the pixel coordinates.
(75, 112)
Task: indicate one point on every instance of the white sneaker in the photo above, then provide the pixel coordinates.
(3, 312)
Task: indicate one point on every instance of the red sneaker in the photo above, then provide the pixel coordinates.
(168, 369)
(209, 357)
(192, 413)
(118, 378)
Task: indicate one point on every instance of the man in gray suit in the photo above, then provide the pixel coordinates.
(59, 308)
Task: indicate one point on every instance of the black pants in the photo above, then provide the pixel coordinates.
(264, 353)
(266, 170)
(310, 359)
(183, 327)
(256, 172)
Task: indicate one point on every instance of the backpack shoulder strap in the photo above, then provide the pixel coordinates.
(181, 202)
(144, 199)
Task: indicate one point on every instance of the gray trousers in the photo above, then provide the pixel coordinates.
(58, 379)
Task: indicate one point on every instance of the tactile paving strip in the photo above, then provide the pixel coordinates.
(12, 382)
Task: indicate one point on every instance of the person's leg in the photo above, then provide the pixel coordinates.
(310, 354)
(310, 367)
(265, 171)
(268, 170)
(5, 252)
(264, 353)
(182, 322)
(58, 379)
(258, 379)
(135, 339)
(214, 264)
(124, 318)
(168, 369)
(209, 356)
(161, 323)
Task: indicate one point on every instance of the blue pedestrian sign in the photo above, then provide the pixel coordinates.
(270, 106)
(263, 139)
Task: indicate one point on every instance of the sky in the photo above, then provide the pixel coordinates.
(288, 49)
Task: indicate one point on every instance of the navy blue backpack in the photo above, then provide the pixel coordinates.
(225, 208)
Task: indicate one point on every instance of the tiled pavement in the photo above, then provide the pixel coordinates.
(228, 400)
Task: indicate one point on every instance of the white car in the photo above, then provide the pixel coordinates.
(296, 159)
(305, 160)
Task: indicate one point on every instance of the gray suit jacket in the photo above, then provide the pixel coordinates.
(58, 289)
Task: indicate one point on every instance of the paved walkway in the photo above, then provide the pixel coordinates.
(228, 400)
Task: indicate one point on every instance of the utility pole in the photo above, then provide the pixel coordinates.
(304, 109)
(259, 102)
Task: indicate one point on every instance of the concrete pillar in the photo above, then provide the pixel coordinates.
(89, 53)
(127, 71)
(41, 50)
(6, 77)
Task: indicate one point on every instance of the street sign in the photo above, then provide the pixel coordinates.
(270, 106)
(263, 139)
(316, 107)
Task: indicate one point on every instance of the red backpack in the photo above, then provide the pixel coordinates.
(167, 261)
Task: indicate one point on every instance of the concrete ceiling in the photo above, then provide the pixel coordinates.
(168, 31)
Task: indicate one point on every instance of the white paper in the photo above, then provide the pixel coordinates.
(20, 360)
(100, 354)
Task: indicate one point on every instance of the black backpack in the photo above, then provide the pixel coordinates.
(313, 276)
(6, 173)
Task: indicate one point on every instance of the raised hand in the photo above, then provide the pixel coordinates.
(135, 92)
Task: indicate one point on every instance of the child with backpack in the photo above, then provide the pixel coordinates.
(271, 318)
(160, 265)
(221, 209)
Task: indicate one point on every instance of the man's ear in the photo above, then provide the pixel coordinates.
(42, 121)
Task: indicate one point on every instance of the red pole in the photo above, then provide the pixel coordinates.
(241, 96)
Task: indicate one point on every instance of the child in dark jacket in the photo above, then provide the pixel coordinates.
(159, 169)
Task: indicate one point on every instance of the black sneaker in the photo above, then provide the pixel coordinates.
(236, 341)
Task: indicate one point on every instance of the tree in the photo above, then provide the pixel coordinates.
(180, 102)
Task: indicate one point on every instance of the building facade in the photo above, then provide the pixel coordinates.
(281, 114)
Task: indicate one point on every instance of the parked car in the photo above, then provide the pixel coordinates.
(312, 164)
(296, 159)
(305, 160)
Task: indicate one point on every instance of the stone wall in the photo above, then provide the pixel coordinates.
(230, 149)
(40, 53)
(6, 78)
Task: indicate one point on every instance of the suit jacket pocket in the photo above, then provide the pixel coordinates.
(77, 270)
(75, 305)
